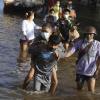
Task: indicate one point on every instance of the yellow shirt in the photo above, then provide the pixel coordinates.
(57, 10)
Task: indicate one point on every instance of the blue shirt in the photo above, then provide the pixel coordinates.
(44, 63)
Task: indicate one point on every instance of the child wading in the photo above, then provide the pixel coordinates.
(27, 36)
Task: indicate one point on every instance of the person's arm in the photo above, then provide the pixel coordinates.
(57, 54)
(37, 27)
(25, 37)
(69, 53)
(98, 63)
(29, 77)
(24, 27)
(73, 49)
(98, 67)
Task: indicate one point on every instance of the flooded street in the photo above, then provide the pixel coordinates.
(11, 78)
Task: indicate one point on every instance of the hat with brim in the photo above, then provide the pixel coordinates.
(90, 30)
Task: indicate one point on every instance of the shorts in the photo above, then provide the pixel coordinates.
(25, 41)
(82, 78)
(39, 86)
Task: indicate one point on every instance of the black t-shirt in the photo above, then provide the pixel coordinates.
(64, 26)
(50, 19)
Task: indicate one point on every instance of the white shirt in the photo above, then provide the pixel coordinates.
(28, 29)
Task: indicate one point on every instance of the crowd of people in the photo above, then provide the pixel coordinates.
(59, 28)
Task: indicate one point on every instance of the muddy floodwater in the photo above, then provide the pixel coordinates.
(11, 78)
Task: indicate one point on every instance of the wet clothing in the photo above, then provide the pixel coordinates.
(80, 79)
(86, 64)
(39, 86)
(43, 74)
(44, 59)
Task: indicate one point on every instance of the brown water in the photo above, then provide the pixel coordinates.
(11, 78)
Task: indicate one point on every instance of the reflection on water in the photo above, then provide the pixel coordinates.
(11, 78)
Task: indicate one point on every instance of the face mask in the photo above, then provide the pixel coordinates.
(46, 35)
(66, 16)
